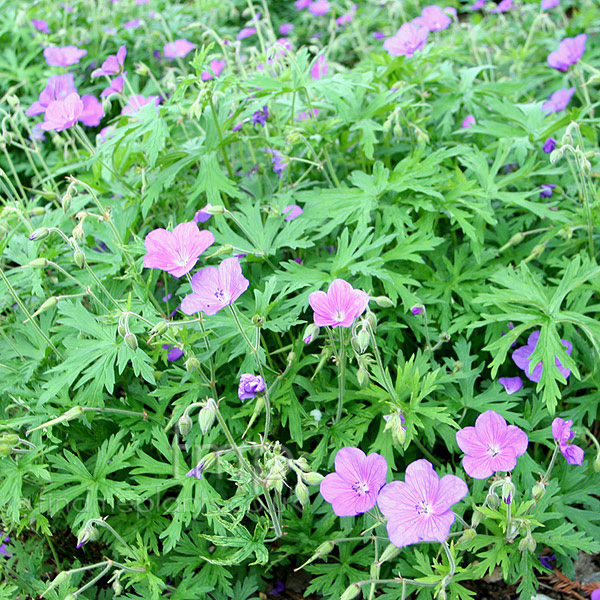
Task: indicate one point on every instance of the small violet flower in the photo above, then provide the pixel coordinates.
(63, 57)
(340, 306)
(561, 431)
(478, 5)
(286, 28)
(570, 50)
(408, 40)
(40, 25)
(63, 114)
(246, 32)
(178, 251)
(202, 216)
(318, 8)
(115, 86)
(468, 122)
(133, 24)
(260, 116)
(174, 352)
(417, 309)
(521, 358)
(320, 68)
(491, 445)
(511, 384)
(548, 4)
(304, 115)
(250, 385)
(418, 508)
(215, 288)
(503, 6)
(353, 488)
(292, 211)
(547, 190)
(549, 145)
(178, 49)
(302, 4)
(3, 549)
(216, 68)
(558, 101)
(347, 17)
(197, 471)
(113, 65)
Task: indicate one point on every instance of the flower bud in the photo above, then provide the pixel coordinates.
(371, 319)
(12, 439)
(467, 536)
(556, 155)
(214, 210)
(389, 553)
(38, 211)
(537, 491)
(444, 336)
(159, 328)
(79, 258)
(508, 491)
(39, 234)
(585, 165)
(70, 597)
(527, 544)
(5, 449)
(516, 239)
(37, 263)
(192, 363)
(351, 592)
(493, 501)
(184, 424)
(60, 578)
(312, 478)
(362, 375)
(208, 461)
(362, 340)
(47, 304)
(206, 416)
(476, 519)
(12, 100)
(310, 333)
(384, 302)
(597, 464)
(122, 330)
(88, 534)
(117, 587)
(302, 493)
(131, 340)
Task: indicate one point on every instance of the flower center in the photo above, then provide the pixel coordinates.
(220, 295)
(493, 450)
(423, 508)
(361, 488)
(339, 316)
(181, 259)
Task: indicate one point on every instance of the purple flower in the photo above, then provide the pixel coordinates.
(353, 488)
(136, 102)
(115, 86)
(278, 588)
(595, 594)
(216, 68)
(110, 31)
(558, 101)
(286, 29)
(245, 33)
(178, 251)
(547, 190)
(92, 112)
(319, 7)
(292, 211)
(417, 309)
(303, 115)
(491, 445)
(40, 25)
(561, 431)
(434, 18)
(63, 114)
(549, 145)
(511, 384)
(63, 57)
(347, 17)
(202, 216)
(215, 288)
(174, 352)
(547, 4)
(57, 88)
(418, 508)
(280, 162)
(37, 133)
(302, 4)
(113, 65)
(320, 68)
(379, 35)
(478, 5)
(570, 50)
(260, 116)
(66, 7)
(133, 24)
(408, 40)
(196, 471)
(106, 133)
(547, 561)
(3, 549)
(340, 306)
(521, 358)
(250, 385)
(178, 49)
(503, 6)
(468, 122)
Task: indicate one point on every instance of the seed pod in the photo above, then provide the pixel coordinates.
(192, 363)
(184, 424)
(351, 592)
(131, 340)
(39, 234)
(37, 263)
(537, 491)
(207, 415)
(363, 377)
(384, 302)
(389, 553)
(214, 210)
(79, 258)
(467, 536)
(302, 493)
(313, 478)
(159, 328)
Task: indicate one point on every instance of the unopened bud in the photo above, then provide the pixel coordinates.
(310, 333)
(12, 100)
(516, 239)
(214, 210)
(39, 234)
(395, 424)
(160, 328)
(38, 211)
(302, 493)
(556, 155)
(585, 165)
(476, 519)
(351, 592)
(372, 320)
(508, 491)
(142, 69)
(184, 424)
(207, 415)
(70, 597)
(444, 336)
(537, 491)
(597, 464)
(37, 263)
(131, 340)
(79, 258)
(258, 320)
(493, 501)
(5, 449)
(12, 439)
(467, 536)
(312, 478)
(60, 578)
(117, 587)
(362, 340)
(527, 544)
(383, 301)
(362, 375)
(208, 461)
(389, 553)
(47, 304)
(122, 330)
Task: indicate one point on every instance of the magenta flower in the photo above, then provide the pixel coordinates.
(280, 162)
(408, 40)
(434, 18)
(40, 25)
(286, 28)
(63, 114)
(547, 190)
(347, 17)
(478, 5)
(319, 8)
(292, 211)
(511, 384)
(379, 35)
(133, 24)
(57, 88)
(521, 358)
(202, 216)
(304, 115)
(178, 251)
(320, 68)
(353, 488)
(340, 306)
(558, 101)
(491, 445)
(418, 508)
(178, 49)
(216, 68)
(136, 102)
(417, 309)
(503, 6)
(548, 4)
(3, 549)
(113, 65)
(246, 32)
(549, 145)
(570, 50)
(468, 122)
(215, 288)
(63, 57)
(92, 112)
(174, 352)
(250, 385)
(115, 86)
(561, 431)
(302, 4)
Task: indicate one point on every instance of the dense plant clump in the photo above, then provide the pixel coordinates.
(293, 286)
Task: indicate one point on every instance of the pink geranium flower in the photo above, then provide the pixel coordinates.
(40, 25)
(292, 211)
(216, 68)
(511, 384)
(63, 114)
(418, 508)
(115, 86)
(408, 40)
(561, 431)
(558, 101)
(319, 7)
(570, 50)
(286, 28)
(353, 488)
(340, 306)
(113, 65)
(521, 358)
(434, 18)
(245, 33)
(178, 49)
(548, 4)
(92, 112)
(178, 251)
(63, 57)
(468, 122)
(503, 6)
(202, 215)
(215, 288)
(491, 445)
(320, 68)
(57, 88)
(133, 24)
(302, 4)
(136, 102)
